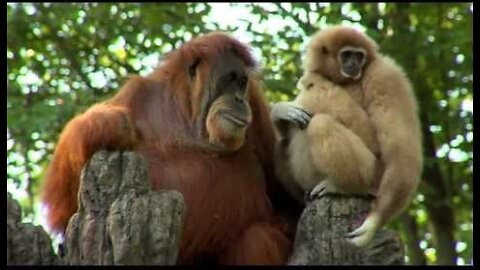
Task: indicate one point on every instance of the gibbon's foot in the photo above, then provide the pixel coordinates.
(364, 234)
(357, 222)
(322, 189)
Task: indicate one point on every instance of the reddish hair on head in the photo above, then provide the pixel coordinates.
(211, 46)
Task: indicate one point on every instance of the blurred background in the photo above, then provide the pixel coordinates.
(63, 57)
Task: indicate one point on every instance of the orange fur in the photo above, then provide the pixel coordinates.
(231, 198)
(101, 127)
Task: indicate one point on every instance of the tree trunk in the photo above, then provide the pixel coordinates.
(120, 220)
(26, 243)
(412, 239)
(321, 231)
(438, 202)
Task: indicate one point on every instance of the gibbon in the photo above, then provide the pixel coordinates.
(364, 136)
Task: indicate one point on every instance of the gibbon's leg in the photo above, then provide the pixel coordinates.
(260, 244)
(348, 164)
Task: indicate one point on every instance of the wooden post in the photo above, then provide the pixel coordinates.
(120, 220)
(320, 238)
(27, 244)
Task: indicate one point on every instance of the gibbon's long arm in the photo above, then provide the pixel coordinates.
(394, 116)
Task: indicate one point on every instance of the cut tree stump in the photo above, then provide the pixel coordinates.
(120, 220)
(321, 230)
(27, 244)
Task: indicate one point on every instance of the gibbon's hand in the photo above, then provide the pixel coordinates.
(286, 111)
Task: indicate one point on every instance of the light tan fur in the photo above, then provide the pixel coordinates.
(337, 118)
(360, 128)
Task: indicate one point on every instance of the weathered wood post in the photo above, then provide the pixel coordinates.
(120, 220)
(27, 244)
(321, 230)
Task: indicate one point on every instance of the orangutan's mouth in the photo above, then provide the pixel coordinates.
(235, 119)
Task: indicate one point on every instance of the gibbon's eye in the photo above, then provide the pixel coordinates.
(347, 54)
(324, 50)
(359, 56)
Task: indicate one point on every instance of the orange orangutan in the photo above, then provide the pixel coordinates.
(204, 128)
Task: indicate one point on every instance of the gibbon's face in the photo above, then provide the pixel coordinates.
(352, 60)
(340, 54)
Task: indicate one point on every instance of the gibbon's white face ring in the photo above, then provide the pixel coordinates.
(352, 49)
(358, 76)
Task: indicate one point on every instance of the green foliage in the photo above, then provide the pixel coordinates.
(63, 57)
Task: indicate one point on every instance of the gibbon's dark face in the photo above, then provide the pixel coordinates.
(352, 59)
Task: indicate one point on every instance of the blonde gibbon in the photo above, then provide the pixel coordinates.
(364, 136)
